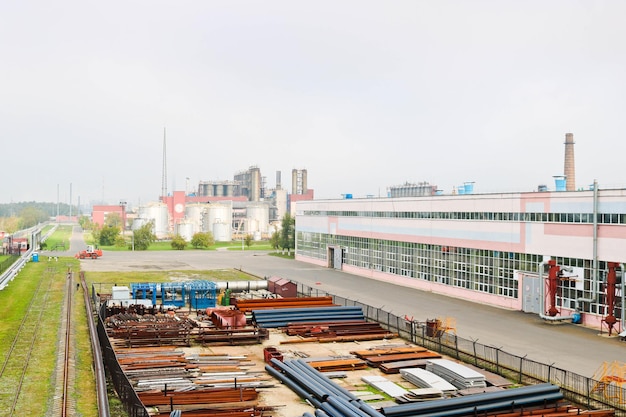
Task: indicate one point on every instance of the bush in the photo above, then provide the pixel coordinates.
(202, 240)
(178, 242)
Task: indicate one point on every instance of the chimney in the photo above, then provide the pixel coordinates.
(570, 168)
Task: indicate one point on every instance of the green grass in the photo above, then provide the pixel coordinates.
(60, 238)
(103, 281)
(39, 379)
(167, 245)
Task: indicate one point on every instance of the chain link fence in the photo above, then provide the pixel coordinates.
(578, 389)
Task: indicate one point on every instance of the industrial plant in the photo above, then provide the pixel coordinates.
(557, 253)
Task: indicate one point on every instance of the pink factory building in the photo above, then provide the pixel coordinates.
(557, 254)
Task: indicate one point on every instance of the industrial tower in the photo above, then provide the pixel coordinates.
(570, 168)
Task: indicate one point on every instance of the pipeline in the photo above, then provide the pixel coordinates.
(517, 396)
(293, 385)
(594, 281)
(542, 298)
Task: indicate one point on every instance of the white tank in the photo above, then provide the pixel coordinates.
(185, 230)
(194, 214)
(258, 218)
(138, 223)
(221, 212)
(221, 232)
(158, 214)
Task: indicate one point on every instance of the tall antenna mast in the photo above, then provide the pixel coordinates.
(164, 173)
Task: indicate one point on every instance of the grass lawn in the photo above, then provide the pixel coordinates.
(60, 239)
(167, 245)
(39, 383)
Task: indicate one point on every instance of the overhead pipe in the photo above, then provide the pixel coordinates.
(542, 297)
(611, 287)
(623, 295)
(594, 278)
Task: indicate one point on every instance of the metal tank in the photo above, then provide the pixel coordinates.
(194, 214)
(185, 230)
(257, 218)
(159, 215)
(221, 212)
(222, 232)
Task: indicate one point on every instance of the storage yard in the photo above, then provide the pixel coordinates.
(290, 356)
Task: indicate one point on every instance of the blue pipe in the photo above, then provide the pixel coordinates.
(347, 409)
(472, 400)
(312, 371)
(293, 386)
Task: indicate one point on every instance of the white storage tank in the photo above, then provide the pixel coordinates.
(159, 215)
(257, 218)
(194, 214)
(221, 212)
(185, 230)
(221, 232)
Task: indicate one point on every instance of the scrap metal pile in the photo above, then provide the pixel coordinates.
(210, 385)
(223, 327)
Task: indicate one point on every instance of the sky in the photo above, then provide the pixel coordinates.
(363, 94)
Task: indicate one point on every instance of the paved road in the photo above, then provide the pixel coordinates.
(567, 346)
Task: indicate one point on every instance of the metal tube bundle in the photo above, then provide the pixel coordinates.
(533, 394)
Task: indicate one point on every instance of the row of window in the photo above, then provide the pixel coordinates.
(603, 218)
(480, 270)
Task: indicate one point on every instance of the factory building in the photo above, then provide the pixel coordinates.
(559, 254)
(488, 248)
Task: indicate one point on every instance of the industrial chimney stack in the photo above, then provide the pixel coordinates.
(570, 168)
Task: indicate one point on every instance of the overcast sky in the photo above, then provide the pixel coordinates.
(363, 94)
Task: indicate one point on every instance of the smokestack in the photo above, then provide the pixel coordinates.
(570, 168)
(278, 184)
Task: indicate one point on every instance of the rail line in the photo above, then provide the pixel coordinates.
(15, 364)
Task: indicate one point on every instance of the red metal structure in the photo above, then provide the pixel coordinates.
(554, 273)
(611, 289)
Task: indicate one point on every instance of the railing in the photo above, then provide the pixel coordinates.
(124, 389)
(578, 389)
(6, 264)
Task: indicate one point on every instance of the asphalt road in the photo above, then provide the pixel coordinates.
(567, 346)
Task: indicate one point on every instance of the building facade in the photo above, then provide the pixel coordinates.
(488, 248)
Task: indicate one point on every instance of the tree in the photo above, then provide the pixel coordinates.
(202, 240)
(31, 216)
(287, 233)
(275, 240)
(113, 219)
(108, 235)
(248, 240)
(179, 242)
(143, 237)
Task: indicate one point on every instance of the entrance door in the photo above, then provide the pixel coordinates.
(531, 293)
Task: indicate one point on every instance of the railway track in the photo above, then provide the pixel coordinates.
(18, 368)
(17, 359)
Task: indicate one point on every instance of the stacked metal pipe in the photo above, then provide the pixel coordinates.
(327, 397)
(485, 403)
(282, 317)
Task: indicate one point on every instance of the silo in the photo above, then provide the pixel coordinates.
(185, 230)
(158, 214)
(221, 212)
(221, 232)
(194, 214)
(258, 218)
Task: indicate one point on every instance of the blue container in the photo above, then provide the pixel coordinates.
(560, 183)
(348, 196)
(35, 257)
(460, 189)
(469, 187)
